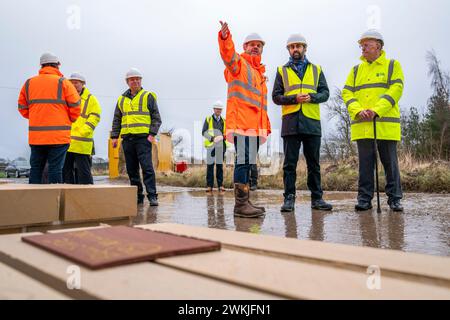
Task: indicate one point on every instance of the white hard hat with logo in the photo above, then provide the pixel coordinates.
(48, 58)
(296, 38)
(133, 73)
(254, 37)
(77, 76)
(218, 105)
(371, 34)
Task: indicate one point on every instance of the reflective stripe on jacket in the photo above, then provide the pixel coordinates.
(51, 103)
(377, 86)
(213, 132)
(82, 134)
(136, 117)
(294, 85)
(247, 93)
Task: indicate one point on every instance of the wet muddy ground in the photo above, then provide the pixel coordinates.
(424, 226)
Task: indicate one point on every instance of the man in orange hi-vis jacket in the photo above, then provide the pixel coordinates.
(247, 124)
(51, 103)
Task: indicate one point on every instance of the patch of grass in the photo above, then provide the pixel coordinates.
(100, 172)
(417, 176)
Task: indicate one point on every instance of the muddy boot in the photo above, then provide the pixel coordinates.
(259, 208)
(241, 207)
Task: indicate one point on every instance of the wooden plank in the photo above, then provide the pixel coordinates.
(300, 280)
(338, 255)
(138, 281)
(17, 286)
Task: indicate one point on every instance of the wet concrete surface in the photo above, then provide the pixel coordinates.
(424, 226)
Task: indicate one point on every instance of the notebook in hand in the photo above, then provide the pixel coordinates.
(114, 246)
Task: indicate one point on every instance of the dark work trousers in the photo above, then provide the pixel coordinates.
(246, 151)
(54, 155)
(253, 175)
(311, 150)
(138, 151)
(77, 169)
(215, 155)
(387, 150)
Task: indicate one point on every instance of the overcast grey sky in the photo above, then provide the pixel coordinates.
(174, 43)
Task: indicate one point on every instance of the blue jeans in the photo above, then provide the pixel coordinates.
(246, 152)
(54, 155)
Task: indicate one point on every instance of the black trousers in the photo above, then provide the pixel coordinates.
(253, 174)
(77, 169)
(311, 150)
(211, 160)
(388, 155)
(138, 152)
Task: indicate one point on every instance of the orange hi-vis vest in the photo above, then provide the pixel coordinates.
(247, 93)
(51, 103)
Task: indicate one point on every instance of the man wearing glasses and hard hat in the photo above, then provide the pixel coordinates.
(373, 89)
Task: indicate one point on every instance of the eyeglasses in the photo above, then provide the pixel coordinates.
(366, 45)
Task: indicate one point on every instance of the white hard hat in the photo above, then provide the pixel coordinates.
(218, 105)
(48, 58)
(296, 38)
(254, 37)
(77, 76)
(133, 72)
(371, 34)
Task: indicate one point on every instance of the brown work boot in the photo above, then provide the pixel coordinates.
(259, 208)
(241, 207)
(221, 190)
(209, 190)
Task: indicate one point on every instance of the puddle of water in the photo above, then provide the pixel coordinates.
(424, 226)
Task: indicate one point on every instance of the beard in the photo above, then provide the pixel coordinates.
(297, 56)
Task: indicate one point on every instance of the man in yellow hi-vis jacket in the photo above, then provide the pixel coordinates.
(77, 166)
(213, 133)
(373, 89)
(137, 121)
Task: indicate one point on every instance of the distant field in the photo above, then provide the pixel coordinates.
(417, 176)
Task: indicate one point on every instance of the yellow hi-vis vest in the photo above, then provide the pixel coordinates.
(136, 117)
(293, 86)
(211, 132)
(82, 132)
(377, 86)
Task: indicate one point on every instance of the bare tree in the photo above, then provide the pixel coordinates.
(438, 116)
(339, 142)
